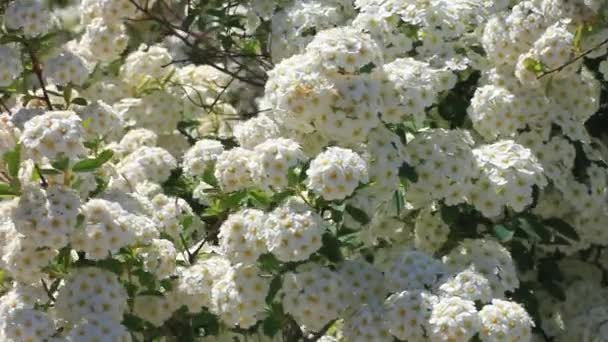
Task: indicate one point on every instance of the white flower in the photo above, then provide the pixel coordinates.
(53, 134)
(201, 156)
(335, 173)
(88, 292)
(10, 65)
(505, 321)
(293, 231)
(242, 236)
(453, 319)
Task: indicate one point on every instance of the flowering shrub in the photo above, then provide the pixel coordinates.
(304, 170)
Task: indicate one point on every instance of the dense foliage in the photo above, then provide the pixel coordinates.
(304, 170)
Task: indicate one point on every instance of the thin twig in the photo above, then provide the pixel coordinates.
(37, 69)
(47, 290)
(43, 181)
(5, 107)
(579, 57)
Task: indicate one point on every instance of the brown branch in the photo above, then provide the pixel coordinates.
(579, 57)
(37, 69)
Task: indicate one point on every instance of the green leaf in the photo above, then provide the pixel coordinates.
(8, 190)
(133, 323)
(357, 214)
(407, 172)
(522, 256)
(563, 228)
(91, 164)
(67, 95)
(331, 248)
(275, 286)
(80, 101)
(206, 321)
(502, 233)
(531, 222)
(449, 214)
(274, 322)
(269, 263)
(12, 160)
(61, 163)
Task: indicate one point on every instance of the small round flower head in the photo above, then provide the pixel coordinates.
(241, 236)
(10, 65)
(579, 94)
(505, 321)
(507, 173)
(274, 158)
(345, 50)
(407, 314)
(30, 16)
(104, 42)
(366, 323)
(490, 259)
(99, 327)
(194, 284)
(27, 325)
(201, 156)
(430, 232)
(255, 131)
(293, 92)
(20, 257)
(336, 173)
(453, 320)
(145, 64)
(314, 296)
(159, 111)
(467, 284)
(136, 138)
(444, 162)
(293, 24)
(168, 212)
(409, 87)
(234, 169)
(100, 120)
(293, 231)
(154, 309)
(239, 296)
(67, 68)
(47, 216)
(364, 283)
(52, 134)
(413, 270)
(88, 292)
(159, 258)
(146, 163)
(495, 112)
(554, 47)
(105, 229)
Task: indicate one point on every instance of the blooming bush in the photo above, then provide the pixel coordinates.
(304, 170)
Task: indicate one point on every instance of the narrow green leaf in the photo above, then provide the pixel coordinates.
(563, 228)
(357, 214)
(91, 164)
(13, 160)
(80, 101)
(8, 190)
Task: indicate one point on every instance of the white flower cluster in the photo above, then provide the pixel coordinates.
(336, 173)
(364, 170)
